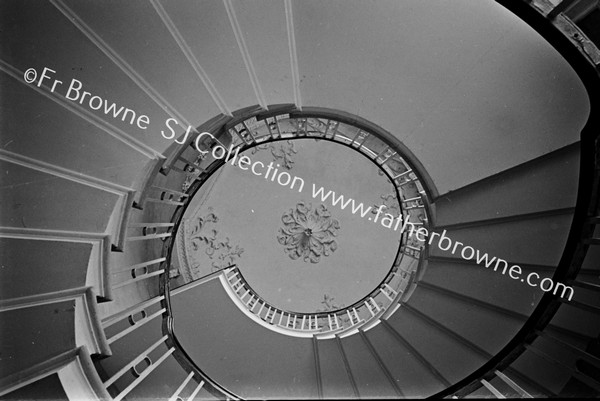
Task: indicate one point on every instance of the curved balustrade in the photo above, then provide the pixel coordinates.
(277, 124)
(340, 322)
(286, 123)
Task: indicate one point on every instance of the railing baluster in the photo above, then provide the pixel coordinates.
(364, 139)
(181, 387)
(165, 201)
(184, 170)
(334, 125)
(138, 265)
(109, 321)
(269, 122)
(187, 161)
(134, 362)
(233, 132)
(196, 391)
(377, 308)
(416, 198)
(269, 316)
(141, 225)
(164, 191)
(355, 136)
(144, 374)
(149, 236)
(135, 325)
(273, 314)
(408, 181)
(392, 293)
(386, 154)
(492, 389)
(369, 307)
(513, 385)
(400, 175)
(140, 278)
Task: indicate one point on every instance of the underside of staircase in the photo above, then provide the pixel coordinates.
(483, 119)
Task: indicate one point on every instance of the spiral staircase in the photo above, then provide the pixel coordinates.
(499, 152)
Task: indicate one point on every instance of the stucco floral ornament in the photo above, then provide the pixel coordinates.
(307, 233)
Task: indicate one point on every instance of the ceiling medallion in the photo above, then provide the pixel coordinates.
(307, 233)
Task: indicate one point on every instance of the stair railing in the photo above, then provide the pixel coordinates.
(552, 23)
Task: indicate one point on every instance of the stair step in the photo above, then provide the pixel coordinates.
(561, 365)
(65, 266)
(48, 387)
(370, 379)
(64, 150)
(489, 330)
(416, 376)
(215, 20)
(576, 320)
(234, 364)
(486, 285)
(428, 340)
(578, 351)
(591, 263)
(68, 317)
(68, 375)
(536, 241)
(336, 382)
(532, 365)
(534, 185)
(30, 329)
(40, 200)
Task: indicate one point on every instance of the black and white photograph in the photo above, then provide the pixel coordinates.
(299, 199)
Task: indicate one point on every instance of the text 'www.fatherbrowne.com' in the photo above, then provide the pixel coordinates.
(272, 172)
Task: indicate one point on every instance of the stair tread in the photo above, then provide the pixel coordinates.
(486, 285)
(429, 340)
(536, 241)
(534, 186)
(489, 330)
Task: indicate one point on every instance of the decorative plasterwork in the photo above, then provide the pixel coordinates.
(220, 251)
(282, 152)
(202, 242)
(308, 233)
